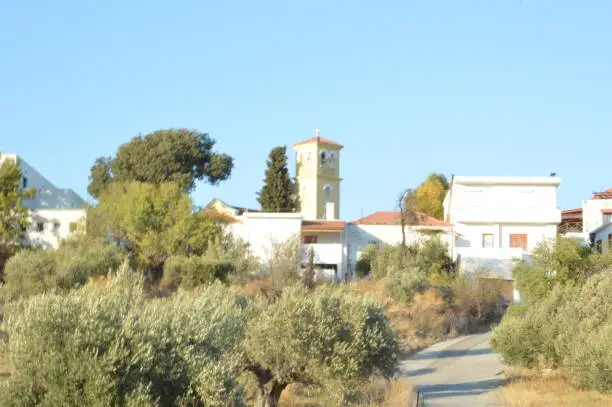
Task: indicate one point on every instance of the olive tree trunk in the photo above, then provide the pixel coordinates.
(269, 393)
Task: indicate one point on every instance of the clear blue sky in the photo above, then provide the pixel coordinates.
(472, 87)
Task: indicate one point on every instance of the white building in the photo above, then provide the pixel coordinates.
(55, 213)
(597, 220)
(498, 220)
(337, 244)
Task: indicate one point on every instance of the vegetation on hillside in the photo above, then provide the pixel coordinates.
(13, 215)
(565, 321)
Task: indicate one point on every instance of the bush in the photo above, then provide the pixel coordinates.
(329, 338)
(116, 348)
(363, 267)
(562, 261)
(530, 340)
(35, 271)
(192, 271)
(402, 285)
(478, 298)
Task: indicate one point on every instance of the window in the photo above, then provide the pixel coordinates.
(56, 226)
(332, 160)
(25, 182)
(607, 218)
(488, 241)
(310, 239)
(73, 227)
(327, 189)
(40, 226)
(518, 240)
(323, 158)
(598, 246)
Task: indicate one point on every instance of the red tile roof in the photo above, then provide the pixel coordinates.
(323, 225)
(318, 140)
(607, 194)
(569, 214)
(394, 218)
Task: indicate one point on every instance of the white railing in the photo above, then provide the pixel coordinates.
(328, 253)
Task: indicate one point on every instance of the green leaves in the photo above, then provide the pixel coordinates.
(329, 337)
(178, 156)
(13, 216)
(276, 194)
(153, 221)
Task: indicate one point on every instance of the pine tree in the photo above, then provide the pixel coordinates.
(276, 194)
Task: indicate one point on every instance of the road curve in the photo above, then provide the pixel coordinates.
(461, 372)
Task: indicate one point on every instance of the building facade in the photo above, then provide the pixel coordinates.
(499, 220)
(55, 213)
(318, 178)
(317, 227)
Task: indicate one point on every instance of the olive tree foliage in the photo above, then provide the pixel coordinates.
(152, 222)
(570, 328)
(36, 271)
(114, 347)
(13, 215)
(330, 338)
(179, 156)
(559, 261)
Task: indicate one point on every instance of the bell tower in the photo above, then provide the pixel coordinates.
(318, 177)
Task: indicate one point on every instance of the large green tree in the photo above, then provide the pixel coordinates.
(428, 197)
(153, 222)
(276, 194)
(181, 156)
(13, 216)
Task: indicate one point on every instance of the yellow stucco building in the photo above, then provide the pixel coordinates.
(318, 178)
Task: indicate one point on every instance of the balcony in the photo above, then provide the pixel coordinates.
(501, 215)
(324, 253)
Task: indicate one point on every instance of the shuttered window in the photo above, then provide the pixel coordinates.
(518, 240)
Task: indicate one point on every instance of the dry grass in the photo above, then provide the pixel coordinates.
(533, 389)
(378, 393)
(415, 323)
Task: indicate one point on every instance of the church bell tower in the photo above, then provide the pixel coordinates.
(318, 177)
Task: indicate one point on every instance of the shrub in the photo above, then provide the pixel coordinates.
(402, 285)
(35, 271)
(531, 339)
(477, 297)
(363, 267)
(192, 271)
(117, 348)
(330, 338)
(561, 261)
(235, 251)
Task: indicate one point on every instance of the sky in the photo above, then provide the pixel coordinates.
(464, 87)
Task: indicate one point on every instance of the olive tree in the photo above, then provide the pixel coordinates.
(331, 338)
(111, 346)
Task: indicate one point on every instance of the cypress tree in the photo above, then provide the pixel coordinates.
(276, 193)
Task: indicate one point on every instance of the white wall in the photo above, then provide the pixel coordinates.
(508, 203)
(50, 237)
(265, 230)
(592, 217)
(535, 234)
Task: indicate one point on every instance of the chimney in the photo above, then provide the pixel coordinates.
(330, 211)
